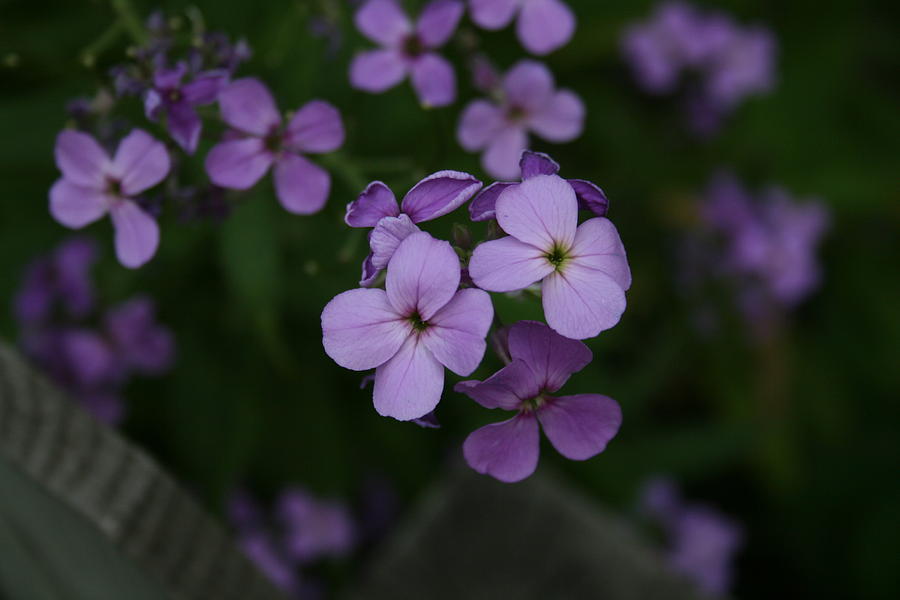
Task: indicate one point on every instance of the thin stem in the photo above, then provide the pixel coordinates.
(129, 20)
(107, 38)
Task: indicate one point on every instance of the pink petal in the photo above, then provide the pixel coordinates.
(302, 187)
(552, 357)
(482, 207)
(561, 119)
(360, 329)
(409, 385)
(506, 389)
(438, 21)
(141, 161)
(580, 426)
(81, 159)
(247, 105)
(501, 160)
(580, 302)
(422, 276)
(541, 211)
(75, 206)
(507, 451)
(373, 204)
(383, 21)
(493, 14)
(598, 246)
(480, 122)
(545, 25)
(434, 81)
(377, 70)
(238, 164)
(439, 194)
(137, 234)
(455, 334)
(528, 84)
(315, 128)
(506, 265)
(386, 238)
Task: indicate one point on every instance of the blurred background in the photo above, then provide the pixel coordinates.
(788, 427)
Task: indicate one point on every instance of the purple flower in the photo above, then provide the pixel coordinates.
(435, 196)
(140, 342)
(543, 25)
(407, 49)
(177, 100)
(590, 196)
(582, 268)
(313, 528)
(529, 103)
(579, 426)
(259, 140)
(263, 551)
(411, 331)
(93, 185)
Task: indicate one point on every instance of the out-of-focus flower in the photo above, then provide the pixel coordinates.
(410, 332)
(407, 49)
(582, 268)
(313, 528)
(259, 141)
(93, 184)
(529, 102)
(140, 342)
(542, 27)
(579, 426)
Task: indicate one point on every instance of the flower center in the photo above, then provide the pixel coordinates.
(418, 323)
(413, 46)
(516, 113)
(273, 142)
(557, 256)
(174, 95)
(113, 187)
(533, 404)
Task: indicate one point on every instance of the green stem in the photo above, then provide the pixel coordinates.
(129, 20)
(351, 174)
(107, 38)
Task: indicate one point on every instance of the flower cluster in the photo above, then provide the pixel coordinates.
(731, 62)
(90, 354)
(430, 317)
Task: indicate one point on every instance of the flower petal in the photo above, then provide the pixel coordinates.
(507, 451)
(434, 81)
(561, 119)
(480, 122)
(501, 160)
(552, 357)
(580, 302)
(81, 159)
(541, 211)
(482, 207)
(137, 234)
(315, 128)
(302, 187)
(409, 385)
(369, 272)
(382, 21)
(75, 206)
(528, 84)
(361, 330)
(377, 70)
(545, 25)
(598, 246)
(590, 197)
(247, 105)
(455, 334)
(141, 161)
(580, 426)
(422, 276)
(169, 78)
(386, 237)
(205, 87)
(537, 163)
(439, 194)
(238, 164)
(506, 265)
(493, 14)
(374, 203)
(438, 21)
(506, 389)
(184, 126)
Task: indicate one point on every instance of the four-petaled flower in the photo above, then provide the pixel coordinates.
(579, 426)
(259, 140)
(529, 102)
(407, 49)
(177, 99)
(543, 25)
(93, 184)
(435, 196)
(582, 268)
(409, 332)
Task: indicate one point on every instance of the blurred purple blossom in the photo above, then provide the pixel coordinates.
(314, 529)
(542, 26)
(141, 344)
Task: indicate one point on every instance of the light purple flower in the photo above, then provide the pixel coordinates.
(590, 196)
(543, 25)
(140, 342)
(579, 426)
(170, 95)
(93, 184)
(583, 269)
(260, 140)
(407, 49)
(410, 332)
(314, 528)
(435, 196)
(529, 103)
